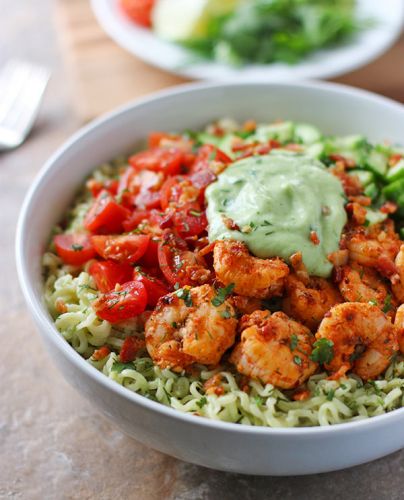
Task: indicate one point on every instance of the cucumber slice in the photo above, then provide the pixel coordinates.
(396, 172)
(306, 134)
(365, 176)
(372, 191)
(374, 216)
(206, 138)
(377, 162)
(282, 132)
(395, 191)
(225, 144)
(347, 143)
(315, 150)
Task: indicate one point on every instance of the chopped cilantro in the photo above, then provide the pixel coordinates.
(323, 351)
(221, 294)
(118, 367)
(297, 360)
(387, 304)
(373, 302)
(77, 248)
(195, 213)
(202, 402)
(174, 324)
(226, 314)
(293, 342)
(185, 295)
(258, 400)
(330, 395)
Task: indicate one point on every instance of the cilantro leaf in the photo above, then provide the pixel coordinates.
(323, 351)
(221, 294)
(202, 402)
(185, 295)
(387, 304)
(118, 367)
(293, 342)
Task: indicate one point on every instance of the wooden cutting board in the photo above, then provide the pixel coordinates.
(104, 76)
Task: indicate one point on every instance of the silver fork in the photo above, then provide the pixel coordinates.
(21, 89)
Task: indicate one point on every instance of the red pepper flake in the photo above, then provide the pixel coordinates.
(101, 353)
(314, 238)
(389, 207)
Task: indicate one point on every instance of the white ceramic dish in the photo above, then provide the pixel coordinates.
(231, 447)
(325, 64)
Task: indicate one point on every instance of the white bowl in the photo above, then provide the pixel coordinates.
(231, 447)
(327, 63)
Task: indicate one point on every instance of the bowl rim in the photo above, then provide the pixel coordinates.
(48, 329)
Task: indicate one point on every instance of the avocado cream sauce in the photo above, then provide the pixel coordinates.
(277, 205)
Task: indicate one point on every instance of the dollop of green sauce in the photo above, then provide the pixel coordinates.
(276, 201)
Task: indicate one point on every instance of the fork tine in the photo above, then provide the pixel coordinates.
(12, 80)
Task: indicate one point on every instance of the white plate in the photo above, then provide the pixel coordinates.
(324, 64)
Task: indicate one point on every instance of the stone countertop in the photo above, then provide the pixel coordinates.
(53, 444)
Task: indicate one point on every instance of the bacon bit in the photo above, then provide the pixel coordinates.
(357, 212)
(365, 201)
(338, 258)
(394, 159)
(205, 250)
(131, 346)
(60, 306)
(198, 274)
(101, 353)
(351, 183)
(212, 385)
(314, 238)
(389, 207)
(238, 145)
(250, 126)
(301, 395)
(337, 274)
(347, 162)
(296, 261)
(386, 266)
(294, 147)
(230, 224)
(218, 131)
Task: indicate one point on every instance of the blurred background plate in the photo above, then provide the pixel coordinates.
(324, 64)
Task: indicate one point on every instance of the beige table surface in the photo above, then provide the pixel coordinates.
(53, 444)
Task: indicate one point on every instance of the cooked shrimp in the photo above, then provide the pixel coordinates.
(364, 339)
(362, 284)
(186, 328)
(399, 324)
(308, 302)
(252, 277)
(397, 281)
(246, 305)
(276, 351)
(376, 246)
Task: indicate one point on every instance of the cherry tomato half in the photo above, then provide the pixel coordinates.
(154, 287)
(105, 215)
(74, 249)
(127, 302)
(108, 273)
(208, 153)
(139, 11)
(190, 220)
(166, 160)
(121, 248)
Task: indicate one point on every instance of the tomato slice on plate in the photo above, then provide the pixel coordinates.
(127, 302)
(133, 221)
(121, 248)
(108, 273)
(150, 258)
(174, 257)
(139, 11)
(95, 187)
(74, 248)
(154, 287)
(105, 215)
(166, 160)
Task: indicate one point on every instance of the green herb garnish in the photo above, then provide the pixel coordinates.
(221, 294)
(323, 351)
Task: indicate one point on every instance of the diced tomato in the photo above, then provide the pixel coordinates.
(140, 188)
(150, 258)
(166, 160)
(130, 347)
(203, 178)
(139, 11)
(148, 199)
(105, 215)
(108, 273)
(75, 248)
(135, 219)
(208, 153)
(101, 353)
(121, 248)
(95, 187)
(128, 301)
(154, 287)
(190, 220)
(171, 191)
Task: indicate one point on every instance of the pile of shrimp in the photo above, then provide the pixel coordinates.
(351, 322)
